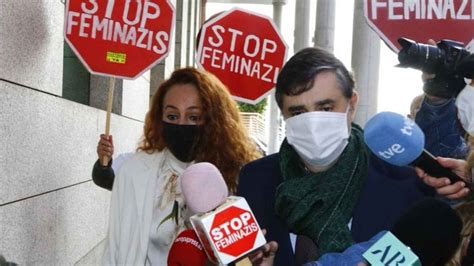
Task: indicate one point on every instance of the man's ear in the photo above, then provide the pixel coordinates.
(353, 104)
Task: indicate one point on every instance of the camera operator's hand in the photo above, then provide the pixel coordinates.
(443, 185)
(434, 100)
(426, 76)
(465, 67)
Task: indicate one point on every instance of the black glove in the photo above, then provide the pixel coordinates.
(465, 67)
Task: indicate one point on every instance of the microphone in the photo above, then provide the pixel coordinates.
(427, 234)
(187, 250)
(225, 226)
(389, 249)
(203, 187)
(397, 140)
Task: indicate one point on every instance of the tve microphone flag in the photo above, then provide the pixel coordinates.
(399, 141)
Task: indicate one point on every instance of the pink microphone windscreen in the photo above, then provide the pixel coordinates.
(203, 187)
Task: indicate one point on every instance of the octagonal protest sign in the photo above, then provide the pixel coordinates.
(421, 20)
(244, 50)
(120, 39)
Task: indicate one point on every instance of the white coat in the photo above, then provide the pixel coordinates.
(139, 181)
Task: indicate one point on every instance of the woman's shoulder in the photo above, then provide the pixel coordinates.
(138, 166)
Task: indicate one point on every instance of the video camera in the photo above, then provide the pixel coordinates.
(448, 60)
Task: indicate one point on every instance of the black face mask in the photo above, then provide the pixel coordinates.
(181, 140)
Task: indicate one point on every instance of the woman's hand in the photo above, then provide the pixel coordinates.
(105, 148)
(443, 185)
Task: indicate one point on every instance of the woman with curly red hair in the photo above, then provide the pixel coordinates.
(191, 119)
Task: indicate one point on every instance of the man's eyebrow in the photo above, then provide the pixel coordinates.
(323, 102)
(296, 108)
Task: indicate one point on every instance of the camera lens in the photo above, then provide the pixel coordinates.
(448, 60)
(424, 57)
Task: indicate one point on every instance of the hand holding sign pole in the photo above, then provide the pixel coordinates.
(119, 39)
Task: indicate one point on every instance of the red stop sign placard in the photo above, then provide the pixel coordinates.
(244, 50)
(234, 231)
(421, 20)
(119, 38)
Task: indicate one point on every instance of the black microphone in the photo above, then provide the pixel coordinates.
(397, 140)
(431, 229)
(428, 234)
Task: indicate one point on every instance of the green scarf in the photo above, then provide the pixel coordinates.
(320, 205)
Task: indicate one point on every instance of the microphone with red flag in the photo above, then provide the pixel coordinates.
(204, 189)
(225, 226)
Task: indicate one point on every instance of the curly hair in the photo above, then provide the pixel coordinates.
(466, 212)
(223, 139)
(470, 157)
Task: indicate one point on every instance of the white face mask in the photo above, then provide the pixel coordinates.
(319, 138)
(465, 105)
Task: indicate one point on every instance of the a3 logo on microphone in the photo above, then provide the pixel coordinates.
(389, 251)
